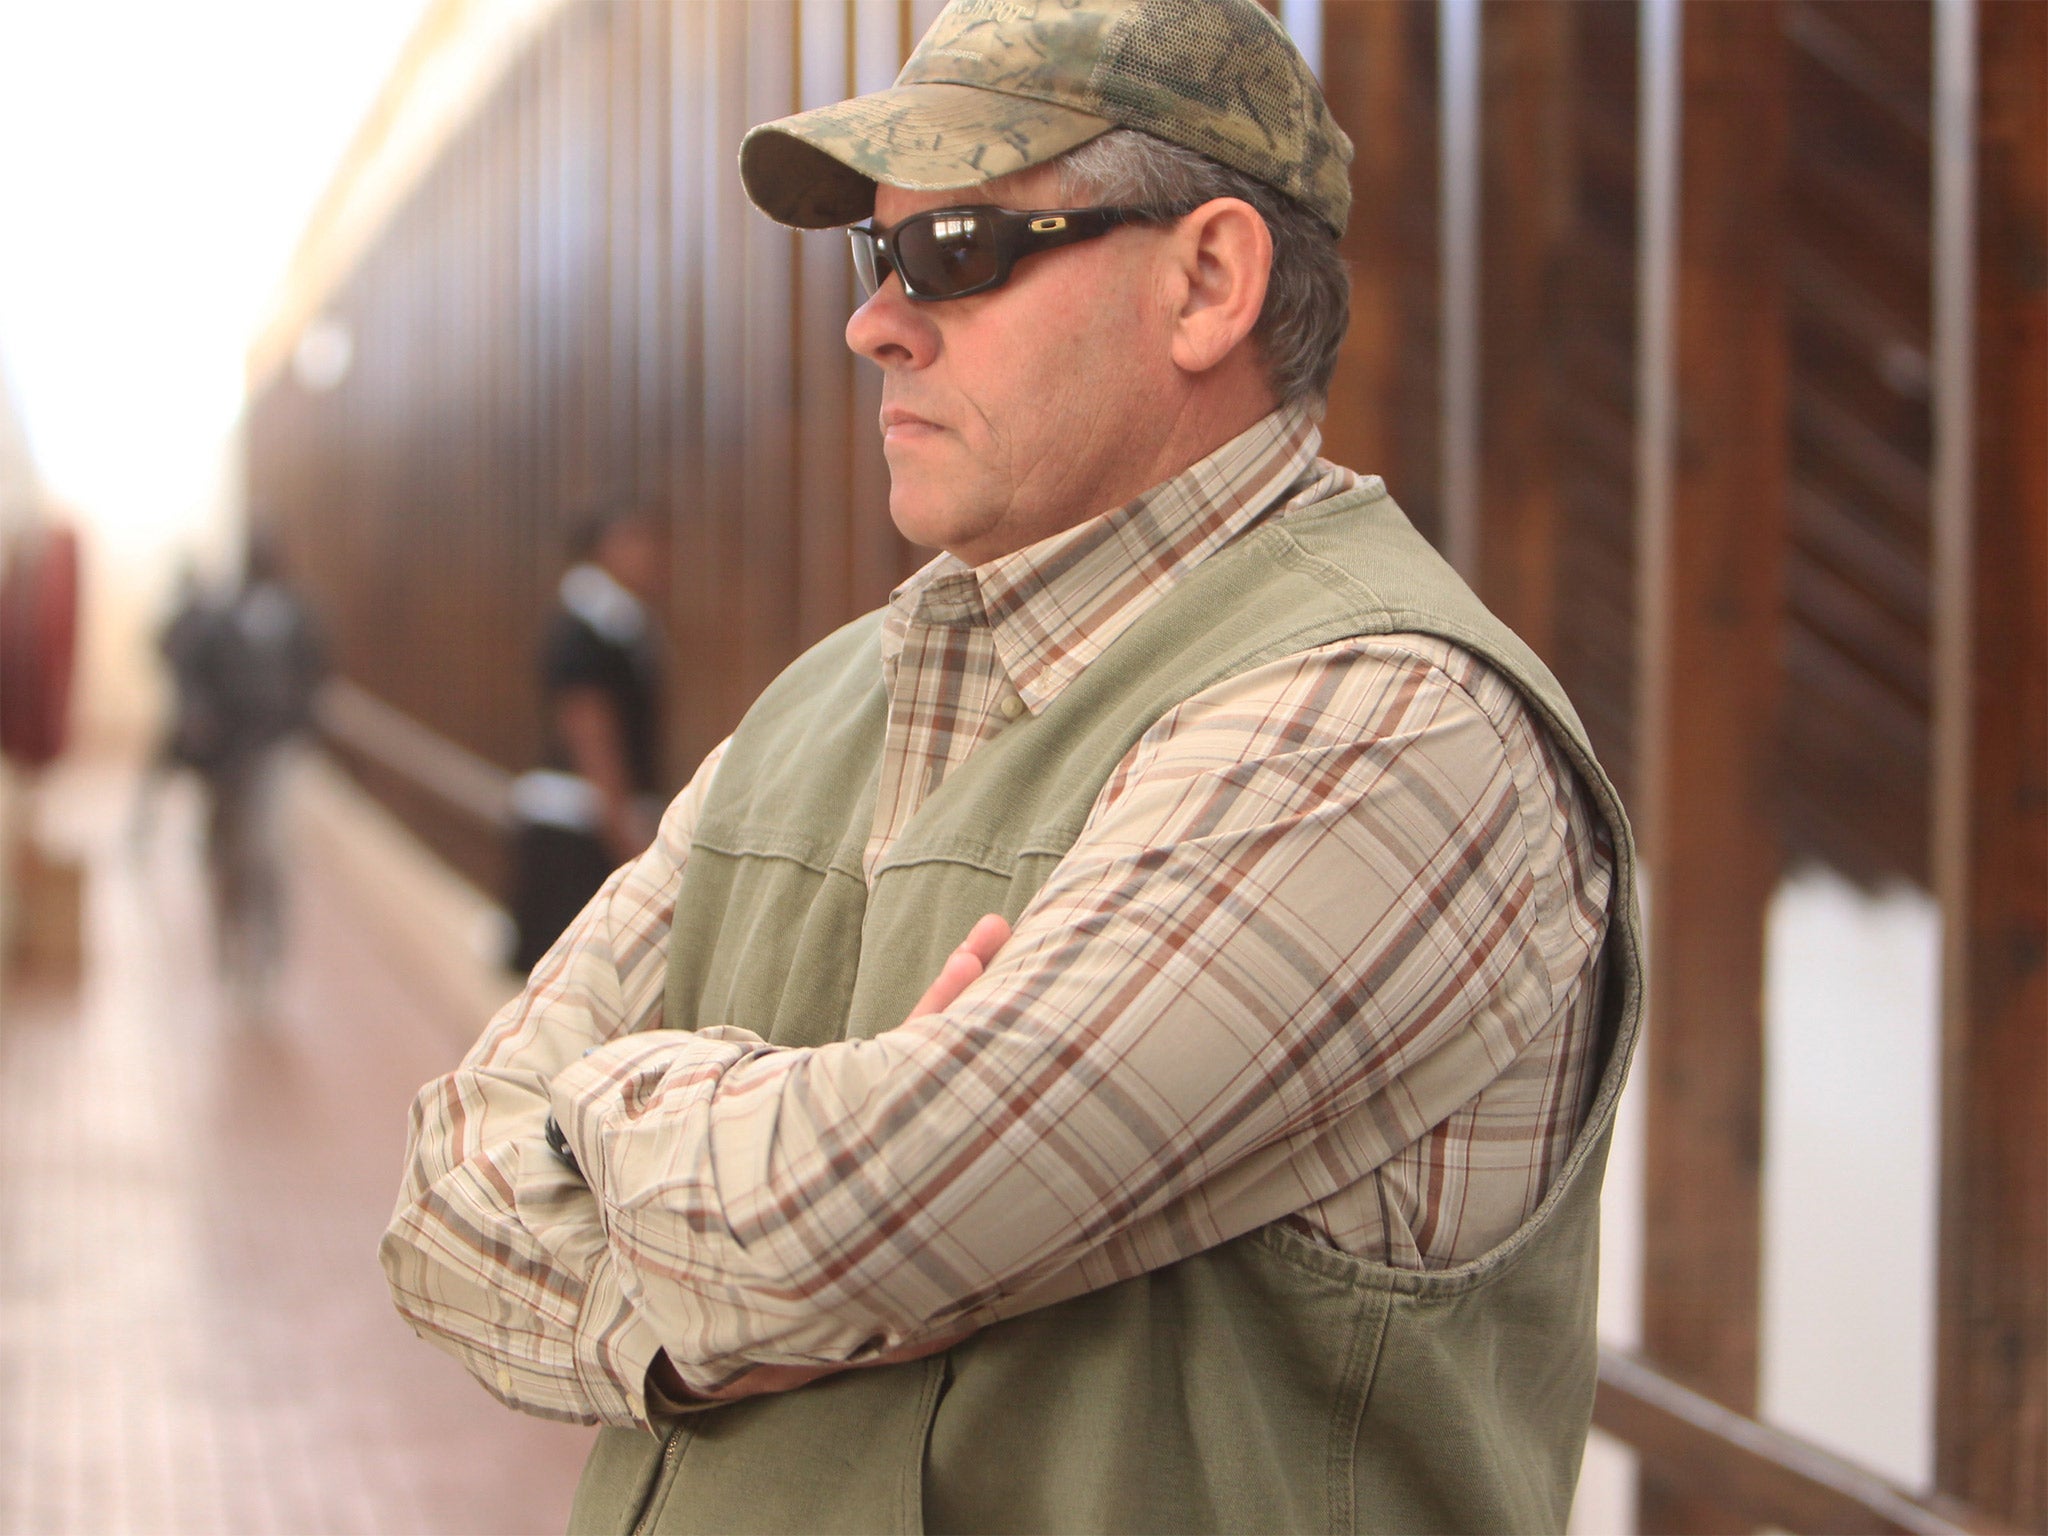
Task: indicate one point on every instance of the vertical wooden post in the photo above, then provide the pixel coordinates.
(1991, 786)
(1371, 84)
(879, 39)
(1710, 570)
(825, 383)
(698, 337)
(1461, 110)
(770, 533)
(650, 309)
(1525, 211)
(1364, 83)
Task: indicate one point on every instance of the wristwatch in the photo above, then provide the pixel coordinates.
(559, 1145)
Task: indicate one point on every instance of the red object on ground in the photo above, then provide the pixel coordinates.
(38, 643)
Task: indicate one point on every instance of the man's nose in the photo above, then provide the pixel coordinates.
(892, 330)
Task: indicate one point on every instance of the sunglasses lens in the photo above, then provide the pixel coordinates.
(868, 263)
(947, 253)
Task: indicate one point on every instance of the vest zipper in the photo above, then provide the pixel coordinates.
(669, 1452)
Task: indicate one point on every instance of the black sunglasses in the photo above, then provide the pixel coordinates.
(949, 253)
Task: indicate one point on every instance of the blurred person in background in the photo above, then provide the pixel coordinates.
(1124, 1037)
(252, 669)
(595, 801)
(190, 734)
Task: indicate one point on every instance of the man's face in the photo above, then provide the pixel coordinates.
(1010, 415)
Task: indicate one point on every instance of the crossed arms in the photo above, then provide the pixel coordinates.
(1312, 916)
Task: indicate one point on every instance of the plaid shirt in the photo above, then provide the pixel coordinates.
(1343, 915)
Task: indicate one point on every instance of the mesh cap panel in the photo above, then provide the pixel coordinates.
(1225, 81)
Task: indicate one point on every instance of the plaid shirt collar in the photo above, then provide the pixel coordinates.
(1056, 605)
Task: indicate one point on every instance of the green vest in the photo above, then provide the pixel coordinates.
(1266, 1384)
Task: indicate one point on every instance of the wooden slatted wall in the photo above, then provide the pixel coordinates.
(1854, 786)
(577, 306)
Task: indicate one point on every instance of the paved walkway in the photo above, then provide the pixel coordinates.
(194, 1334)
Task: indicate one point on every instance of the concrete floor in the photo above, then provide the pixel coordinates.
(194, 1333)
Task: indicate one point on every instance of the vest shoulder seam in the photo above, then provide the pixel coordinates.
(1297, 554)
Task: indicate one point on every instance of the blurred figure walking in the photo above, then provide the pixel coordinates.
(253, 671)
(189, 735)
(595, 801)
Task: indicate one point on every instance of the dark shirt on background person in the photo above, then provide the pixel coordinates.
(594, 802)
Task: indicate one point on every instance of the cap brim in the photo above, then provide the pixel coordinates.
(819, 168)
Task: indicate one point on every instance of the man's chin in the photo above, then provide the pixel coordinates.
(919, 527)
(929, 519)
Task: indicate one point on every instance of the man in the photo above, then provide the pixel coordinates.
(251, 677)
(1239, 1169)
(189, 735)
(592, 806)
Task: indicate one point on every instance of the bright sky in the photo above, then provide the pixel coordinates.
(158, 160)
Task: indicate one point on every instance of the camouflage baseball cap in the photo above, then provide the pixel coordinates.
(997, 86)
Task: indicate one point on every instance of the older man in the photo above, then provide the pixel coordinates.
(1124, 1038)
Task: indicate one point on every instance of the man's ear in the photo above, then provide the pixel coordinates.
(1224, 254)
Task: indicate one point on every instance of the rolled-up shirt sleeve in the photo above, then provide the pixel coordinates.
(1316, 910)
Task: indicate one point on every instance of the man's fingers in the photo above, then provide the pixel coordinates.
(985, 938)
(954, 978)
(964, 965)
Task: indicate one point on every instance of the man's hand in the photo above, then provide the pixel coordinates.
(964, 965)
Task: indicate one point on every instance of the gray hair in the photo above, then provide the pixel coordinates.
(1308, 293)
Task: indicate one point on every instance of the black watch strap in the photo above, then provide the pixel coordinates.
(559, 1145)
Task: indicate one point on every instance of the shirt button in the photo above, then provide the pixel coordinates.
(504, 1381)
(1011, 707)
